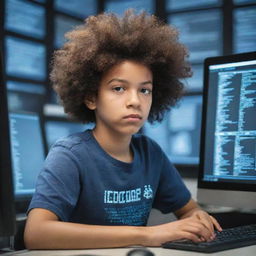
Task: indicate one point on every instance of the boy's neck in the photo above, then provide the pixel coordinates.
(116, 146)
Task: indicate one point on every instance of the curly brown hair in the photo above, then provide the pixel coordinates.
(106, 40)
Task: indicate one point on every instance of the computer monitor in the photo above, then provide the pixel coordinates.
(63, 24)
(200, 31)
(174, 5)
(7, 212)
(25, 96)
(227, 170)
(179, 133)
(76, 8)
(119, 7)
(31, 54)
(28, 152)
(56, 128)
(26, 18)
(244, 20)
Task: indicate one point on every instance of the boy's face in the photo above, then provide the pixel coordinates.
(124, 98)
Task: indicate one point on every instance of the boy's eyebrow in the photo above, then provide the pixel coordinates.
(125, 81)
(147, 82)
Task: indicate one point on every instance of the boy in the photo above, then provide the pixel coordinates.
(97, 187)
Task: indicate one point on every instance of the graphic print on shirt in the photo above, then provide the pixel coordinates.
(129, 207)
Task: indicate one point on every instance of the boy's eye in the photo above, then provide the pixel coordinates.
(118, 89)
(146, 91)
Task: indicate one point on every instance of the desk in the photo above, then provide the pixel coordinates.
(245, 251)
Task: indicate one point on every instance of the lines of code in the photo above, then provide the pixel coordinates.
(235, 130)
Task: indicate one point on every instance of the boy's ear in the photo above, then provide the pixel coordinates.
(90, 103)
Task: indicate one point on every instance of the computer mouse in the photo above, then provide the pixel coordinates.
(140, 252)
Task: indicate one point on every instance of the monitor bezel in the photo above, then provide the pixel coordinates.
(220, 185)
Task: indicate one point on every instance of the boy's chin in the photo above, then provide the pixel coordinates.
(133, 131)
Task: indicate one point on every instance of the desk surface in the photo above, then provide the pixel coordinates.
(245, 251)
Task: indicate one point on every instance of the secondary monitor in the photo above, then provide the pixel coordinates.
(227, 173)
(28, 152)
(26, 18)
(27, 97)
(56, 128)
(32, 56)
(179, 133)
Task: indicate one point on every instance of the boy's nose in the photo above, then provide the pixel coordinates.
(133, 99)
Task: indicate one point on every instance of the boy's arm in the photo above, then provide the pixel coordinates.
(44, 231)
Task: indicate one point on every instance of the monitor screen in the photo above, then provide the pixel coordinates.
(179, 133)
(25, 96)
(78, 8)
(228, 149)
(26, 18)
(159, 132)
(184, 131)
(63, 24)
(244, 29)
(7, 213)
(184, 4)
(28, 152)
(25, 59)
(56, 129)
(195, 83)
(119, 7)
(243, 1)
(200, 31)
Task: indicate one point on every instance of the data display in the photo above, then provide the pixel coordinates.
(185, 127)
(25, 96)
(244, 1)
(184, 4)
(235, 124)
(245, 29)
(78, 8)
(195, 83)
(62, 25)
(119, 7)
(25, 59)
(179, 133)
(58, 129)
(201, 32)
(25, 18)
(27, 151)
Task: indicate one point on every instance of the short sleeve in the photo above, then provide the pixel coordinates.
(58, 184)
(172, 194)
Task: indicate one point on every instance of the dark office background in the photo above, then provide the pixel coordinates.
(32, 29)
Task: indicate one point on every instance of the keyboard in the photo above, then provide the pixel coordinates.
(229, 238)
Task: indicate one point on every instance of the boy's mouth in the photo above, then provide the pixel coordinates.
(133, 116)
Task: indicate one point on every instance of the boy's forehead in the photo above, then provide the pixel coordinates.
(128, 70)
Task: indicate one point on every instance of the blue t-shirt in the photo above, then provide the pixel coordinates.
(81, 183)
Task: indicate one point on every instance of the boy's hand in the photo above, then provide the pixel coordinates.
(197, 228)
(194, 224)
(192, 209)
(210, 222)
